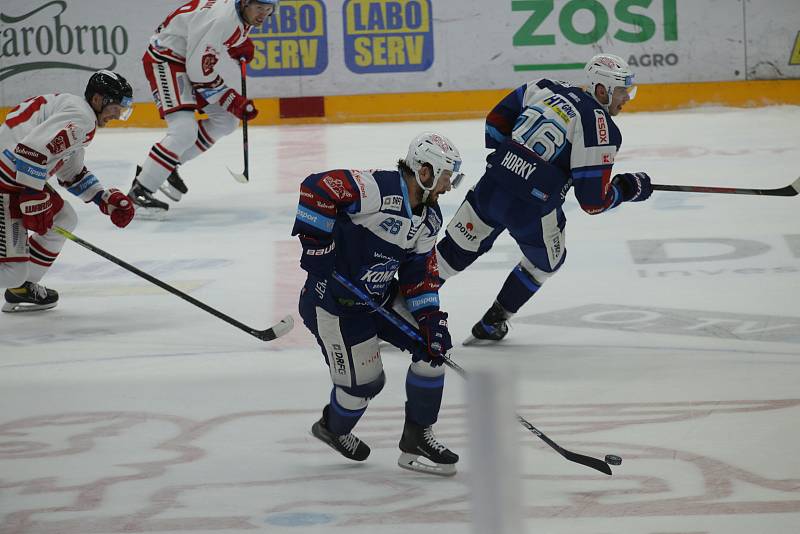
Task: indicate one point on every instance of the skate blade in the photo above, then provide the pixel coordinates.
(170, 192)
(474, 341)
(412, 462)
(150, 214)
(21, 307)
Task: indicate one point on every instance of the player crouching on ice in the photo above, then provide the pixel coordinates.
(547, 137)
(182, 66)
(369, 226)
(43, 136)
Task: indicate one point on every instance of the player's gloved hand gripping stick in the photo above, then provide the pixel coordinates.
(245, 176)
(588, 461)
(273, 332)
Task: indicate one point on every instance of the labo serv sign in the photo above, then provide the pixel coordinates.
(388, 35)
(294, 41)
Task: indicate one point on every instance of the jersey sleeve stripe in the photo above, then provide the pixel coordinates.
(424, 300)
(312, 218)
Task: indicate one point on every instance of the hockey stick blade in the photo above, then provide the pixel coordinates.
(582, 459)
(788, 191)
(281, 328)
(241, 178)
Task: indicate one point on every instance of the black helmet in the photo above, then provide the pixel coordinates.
(114, 88)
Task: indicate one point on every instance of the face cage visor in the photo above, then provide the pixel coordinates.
(126, 105)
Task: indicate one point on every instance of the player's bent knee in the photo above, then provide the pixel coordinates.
(537, 275)
(66, 218)
(364, 391)
(422, 368)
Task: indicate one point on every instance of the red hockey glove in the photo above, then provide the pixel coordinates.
(118, 206)
(238, 105)
(435, 335)
(635, 186)
(38, 209)
(244, 51)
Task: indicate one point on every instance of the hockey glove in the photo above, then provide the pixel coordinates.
(244, 51)
(635, 186)
(435, 336)
(238, 106)
(116, 205)
(318, 257)
(38, 209)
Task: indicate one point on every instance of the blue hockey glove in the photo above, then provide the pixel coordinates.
(635, 186)
(436, 338)
(318, 257)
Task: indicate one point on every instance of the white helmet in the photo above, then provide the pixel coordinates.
(610, 71)
(437, 151)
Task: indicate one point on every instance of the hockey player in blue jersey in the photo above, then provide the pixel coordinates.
(547, 137)
(378, 229)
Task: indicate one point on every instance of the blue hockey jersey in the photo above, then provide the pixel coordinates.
(366, 215)
(567, 129)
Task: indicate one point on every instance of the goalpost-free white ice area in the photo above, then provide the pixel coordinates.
(671, 337)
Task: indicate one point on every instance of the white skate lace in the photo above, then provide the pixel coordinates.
(350, 442)
(431, 440)
(39, 292)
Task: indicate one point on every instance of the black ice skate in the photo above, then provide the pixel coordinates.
(493, 326)
(174, 187)
(30, 296)
(147, 205)
(347, 445)
(419, 442)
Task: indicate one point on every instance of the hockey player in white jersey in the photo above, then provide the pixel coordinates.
(44, 136)
(547, 137)
(181, 66)
(370, 226)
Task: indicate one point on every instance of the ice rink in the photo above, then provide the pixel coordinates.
(671, 337)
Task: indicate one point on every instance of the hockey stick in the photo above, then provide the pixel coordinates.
(273, 332)
(787, 191)
(407, 329)
(245, 176)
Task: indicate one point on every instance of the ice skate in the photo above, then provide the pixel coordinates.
(147, 206)
(174, 188)
(422, 452)
(348, 445)
(492, 327)
(30, 296)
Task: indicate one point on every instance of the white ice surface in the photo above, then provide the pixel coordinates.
(126, 409)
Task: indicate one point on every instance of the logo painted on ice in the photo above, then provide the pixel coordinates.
(376, 278)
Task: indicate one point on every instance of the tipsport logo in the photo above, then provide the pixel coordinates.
(388, 35)
(292, 42)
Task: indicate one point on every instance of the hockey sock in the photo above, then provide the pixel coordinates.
(424, 396)
(517, 290)
(341, 420)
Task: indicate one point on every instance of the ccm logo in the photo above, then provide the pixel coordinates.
(467, 231)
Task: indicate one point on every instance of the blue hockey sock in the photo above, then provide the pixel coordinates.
(341, 420)
(517, 290)
(424, 396)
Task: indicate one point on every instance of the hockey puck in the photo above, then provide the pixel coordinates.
(613, 460)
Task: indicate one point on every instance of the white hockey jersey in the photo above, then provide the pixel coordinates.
(195, 35)
(44, 136)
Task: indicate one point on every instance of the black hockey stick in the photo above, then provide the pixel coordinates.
(407, 329)
(273, 332)
(245, 176)
(787, 191)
